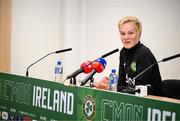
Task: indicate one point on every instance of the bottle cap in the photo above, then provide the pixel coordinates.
(113, 71)
(58, 62)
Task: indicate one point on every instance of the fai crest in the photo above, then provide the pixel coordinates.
(133, 66)
(89, 107)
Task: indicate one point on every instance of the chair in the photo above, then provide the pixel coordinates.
(171, 88)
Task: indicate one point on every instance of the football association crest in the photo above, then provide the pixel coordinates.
(89, 107)
(133, 66)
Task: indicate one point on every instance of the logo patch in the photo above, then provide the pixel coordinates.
(12, 117)
(89, 107)
(133, 66)
(4, 115)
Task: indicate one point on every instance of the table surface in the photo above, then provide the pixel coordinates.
(163, 98)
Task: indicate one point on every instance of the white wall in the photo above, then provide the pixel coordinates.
(90, 28)
(35, 32)
(161, 29)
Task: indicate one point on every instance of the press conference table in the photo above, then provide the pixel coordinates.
(163, 98)
(38, 99)
(159, 98)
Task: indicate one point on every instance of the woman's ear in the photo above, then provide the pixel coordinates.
(139, 34)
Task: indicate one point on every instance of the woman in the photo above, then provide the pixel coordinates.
(135, 57)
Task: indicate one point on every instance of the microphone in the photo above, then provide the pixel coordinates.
(85, 67)
(109, 53)
(98, 66)
(131, 82)
(74, 74)
(56, 52)
(163, 60)
(64, 50)
(171, 57)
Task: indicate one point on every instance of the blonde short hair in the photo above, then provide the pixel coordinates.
(133, 19)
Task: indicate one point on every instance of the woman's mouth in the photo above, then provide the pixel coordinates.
(127, 42)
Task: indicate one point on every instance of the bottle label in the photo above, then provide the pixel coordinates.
(113, 79)
(58, 70)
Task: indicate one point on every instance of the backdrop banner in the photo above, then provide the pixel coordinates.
(30, 99)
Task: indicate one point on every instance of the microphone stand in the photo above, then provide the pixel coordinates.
(56, 52)
(131, 82)
(145, 71)
(27, 70)
(91, 82)
(73, 77)
(73, 80)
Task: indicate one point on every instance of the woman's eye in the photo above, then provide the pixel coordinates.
(122, 33)
(131, 32)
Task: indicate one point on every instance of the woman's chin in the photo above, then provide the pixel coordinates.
(128, 46)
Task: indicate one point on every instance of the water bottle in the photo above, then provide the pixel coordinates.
(113, 80)
(58, 72)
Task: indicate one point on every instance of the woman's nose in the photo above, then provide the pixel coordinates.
(126, 36)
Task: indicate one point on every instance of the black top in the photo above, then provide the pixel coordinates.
(132, 62)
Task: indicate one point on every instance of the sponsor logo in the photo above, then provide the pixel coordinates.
(19, 118)
(4, 115)
(89, 107)
(12, 117)
(26, 118)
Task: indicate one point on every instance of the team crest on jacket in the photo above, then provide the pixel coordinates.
(133, 66)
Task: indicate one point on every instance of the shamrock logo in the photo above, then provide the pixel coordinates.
(89, 107)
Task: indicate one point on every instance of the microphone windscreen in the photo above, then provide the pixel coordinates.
(99, 65)
(102, 61)
(87, 67)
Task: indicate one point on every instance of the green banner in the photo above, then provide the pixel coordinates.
(23, 98)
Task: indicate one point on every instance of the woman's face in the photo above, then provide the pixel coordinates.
(129, 35)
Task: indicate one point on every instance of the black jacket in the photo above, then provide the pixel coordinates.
(132, 62)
